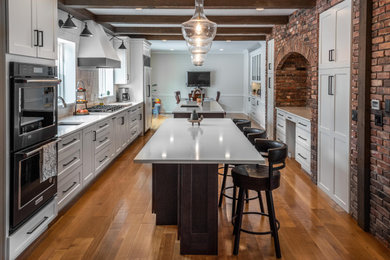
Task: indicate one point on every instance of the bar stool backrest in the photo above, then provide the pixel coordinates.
(177, 96)
(254, 133)
(275, 151)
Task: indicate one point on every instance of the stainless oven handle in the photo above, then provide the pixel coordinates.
(54, 81)
(28, 154)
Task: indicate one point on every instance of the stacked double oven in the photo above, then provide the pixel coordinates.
(33, 120)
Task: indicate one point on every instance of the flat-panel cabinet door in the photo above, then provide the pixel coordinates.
(342, 55)
(47, 28)
(326, 103)
(21, 25)
(119, 121)
(89, 136)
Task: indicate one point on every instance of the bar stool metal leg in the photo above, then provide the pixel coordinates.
(234, 201)
(261, 202)
(225, 172)
(238, 222)
(274, 229)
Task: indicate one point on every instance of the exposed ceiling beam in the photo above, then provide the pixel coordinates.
(177, 30)
(217, 38)
(168, 19)
(189, 4)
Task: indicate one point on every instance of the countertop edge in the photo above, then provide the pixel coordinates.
(280, 108)
(85, 125)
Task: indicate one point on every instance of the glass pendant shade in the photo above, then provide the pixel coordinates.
(199, 49)
(86, 32)
(199, 31)
(198, 59)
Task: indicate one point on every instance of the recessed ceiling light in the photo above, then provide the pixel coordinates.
(138, 8)
(221, 49)
(259, 9)
(228, 40)
(164, 40)
(172, 49)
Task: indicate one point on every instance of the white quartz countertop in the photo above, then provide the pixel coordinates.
(88, 120)
(208, 107)
(304, 112)
(214, 141)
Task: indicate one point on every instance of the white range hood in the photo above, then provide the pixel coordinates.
(97, 51)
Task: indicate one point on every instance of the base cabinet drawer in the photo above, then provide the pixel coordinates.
(102, 159)
(102, 141)
(280, 137)
(303, 124)
(70, 142)
(69, 163)
(281, 126)
(302, 156)
(69, 187)
(33, 228)
(302, 138)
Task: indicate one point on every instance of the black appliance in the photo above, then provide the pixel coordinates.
(33, 117)
(33, 104)
(105, 108)
(198, 78)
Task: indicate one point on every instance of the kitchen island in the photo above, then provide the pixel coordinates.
(209, 109)
(185, 162)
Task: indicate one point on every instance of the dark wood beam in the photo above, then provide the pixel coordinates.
(169, 19)
(189, 4)
(217, 38)
(177, 30)
(363, 124)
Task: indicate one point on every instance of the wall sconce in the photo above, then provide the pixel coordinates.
(86, 32)
(122, 46)
(68, 24)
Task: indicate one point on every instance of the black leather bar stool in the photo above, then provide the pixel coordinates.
(241, 123)
(260, 178)
(253, 133)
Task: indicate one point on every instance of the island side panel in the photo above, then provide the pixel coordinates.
(164, 193)
(198, 209)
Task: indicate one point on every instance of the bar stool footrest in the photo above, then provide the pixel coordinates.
(230, 197)
(253, 232)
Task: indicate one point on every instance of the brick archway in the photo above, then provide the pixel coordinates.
(295, 46)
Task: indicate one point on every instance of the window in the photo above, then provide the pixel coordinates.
(67, 70)
(106, 82)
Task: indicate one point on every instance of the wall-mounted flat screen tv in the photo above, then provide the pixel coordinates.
(198, 79)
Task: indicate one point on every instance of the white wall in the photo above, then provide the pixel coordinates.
(169, 72)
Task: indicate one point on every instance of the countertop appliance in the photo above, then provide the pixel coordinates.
(33, 117)
(105, 108)
(123, 95)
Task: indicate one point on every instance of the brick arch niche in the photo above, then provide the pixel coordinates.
(293, 81)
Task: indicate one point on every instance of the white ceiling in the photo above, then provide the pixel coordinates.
(190, 12)
(228, 47)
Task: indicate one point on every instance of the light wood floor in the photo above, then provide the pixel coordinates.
(113, 220)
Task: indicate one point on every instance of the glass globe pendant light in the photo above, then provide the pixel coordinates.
(199, 31)
(198, 58)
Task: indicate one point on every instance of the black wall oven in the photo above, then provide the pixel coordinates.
(33, 117)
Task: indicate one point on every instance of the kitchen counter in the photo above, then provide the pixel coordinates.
(90, 119)
(214, 141)
(304, 112)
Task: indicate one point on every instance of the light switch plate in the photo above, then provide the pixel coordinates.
(375, 104)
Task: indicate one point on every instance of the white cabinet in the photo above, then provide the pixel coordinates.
(32, 28)
(255, 66)
(270, 56)
(120, 132)
(89, 138)
(122, 74)
(335, 36)
(270, 89)
(333, 134)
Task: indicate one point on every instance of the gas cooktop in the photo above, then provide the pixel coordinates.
(105, 108)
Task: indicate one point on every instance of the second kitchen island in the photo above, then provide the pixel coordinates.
(185, 162)
(209, 109)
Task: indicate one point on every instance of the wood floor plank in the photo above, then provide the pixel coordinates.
(113, 220)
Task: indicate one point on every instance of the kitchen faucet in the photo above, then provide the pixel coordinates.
(198, 89)
(62, 101)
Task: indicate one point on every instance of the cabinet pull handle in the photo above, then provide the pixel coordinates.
(41, 37)
(330, 85)
(71, 186)
(280, 125)
(304, 139)
(302, 124)
(269, 66)
(123, 120)
(37, 226)
(303, 157)
(128, 76)
(105, 157)
(36, 36)
(280, 115)
(71, 161)
(102, 141)
(106, 124)
(289, 117)
(68, 143)
(140, 116)
(134, 120)
(94, 136)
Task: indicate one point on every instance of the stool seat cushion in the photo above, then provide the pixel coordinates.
(255, 177)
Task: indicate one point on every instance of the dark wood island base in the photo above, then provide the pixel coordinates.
(186, 195)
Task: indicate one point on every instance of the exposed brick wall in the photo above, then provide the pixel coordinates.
(380, 136)
(292, 82)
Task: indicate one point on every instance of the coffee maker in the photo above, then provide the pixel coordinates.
(123, 95)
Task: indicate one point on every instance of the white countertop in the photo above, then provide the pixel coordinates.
(304, 112)
(214, 141)
(208, 107)
(89, 119)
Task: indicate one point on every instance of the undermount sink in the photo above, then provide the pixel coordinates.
(70, 123)
(189, 106)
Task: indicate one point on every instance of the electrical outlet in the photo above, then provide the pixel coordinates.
(354, 115)
(379, 119)
(375, 104)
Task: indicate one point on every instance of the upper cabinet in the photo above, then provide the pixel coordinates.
(255, 63)
(32, 28)
(122, 75)
(335, 36)
(270, 56)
